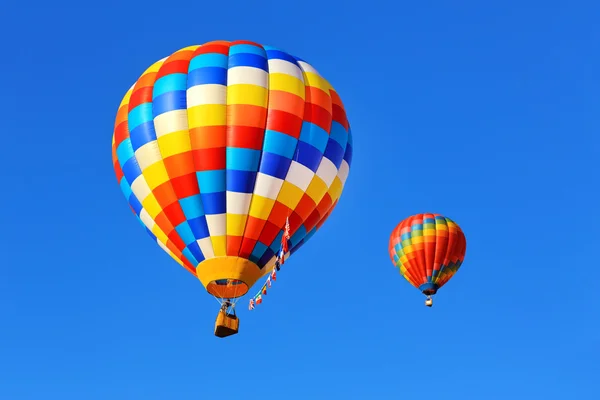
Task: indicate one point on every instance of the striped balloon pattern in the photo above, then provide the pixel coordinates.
(428, 249)
(217, 145)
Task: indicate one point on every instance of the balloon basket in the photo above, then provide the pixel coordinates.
(226, 324)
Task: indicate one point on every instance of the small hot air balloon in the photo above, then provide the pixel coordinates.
(217, 147)
(428, 249)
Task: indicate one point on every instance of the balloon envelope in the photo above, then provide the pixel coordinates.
(217, 145)
(428, 249)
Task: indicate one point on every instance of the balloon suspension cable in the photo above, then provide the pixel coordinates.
(232, 300)
(222, 300)
(279, 261)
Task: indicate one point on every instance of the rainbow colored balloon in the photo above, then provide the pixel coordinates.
(217, 145)
(428, 249)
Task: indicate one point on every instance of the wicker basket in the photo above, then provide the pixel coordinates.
(226, 324)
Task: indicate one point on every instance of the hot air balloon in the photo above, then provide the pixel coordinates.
(428, 249)
(217, 146)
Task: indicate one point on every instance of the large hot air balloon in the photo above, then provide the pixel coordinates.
(428, 249)
(217, 146)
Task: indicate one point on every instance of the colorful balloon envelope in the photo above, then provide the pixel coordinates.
(218, 145)
(428, 249)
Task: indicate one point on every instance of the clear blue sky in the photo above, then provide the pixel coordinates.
(486, 112)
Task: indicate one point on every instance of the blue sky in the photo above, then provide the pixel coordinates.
(483, 111)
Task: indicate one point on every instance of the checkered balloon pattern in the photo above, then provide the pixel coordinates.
(217, 144)
(428, 249)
